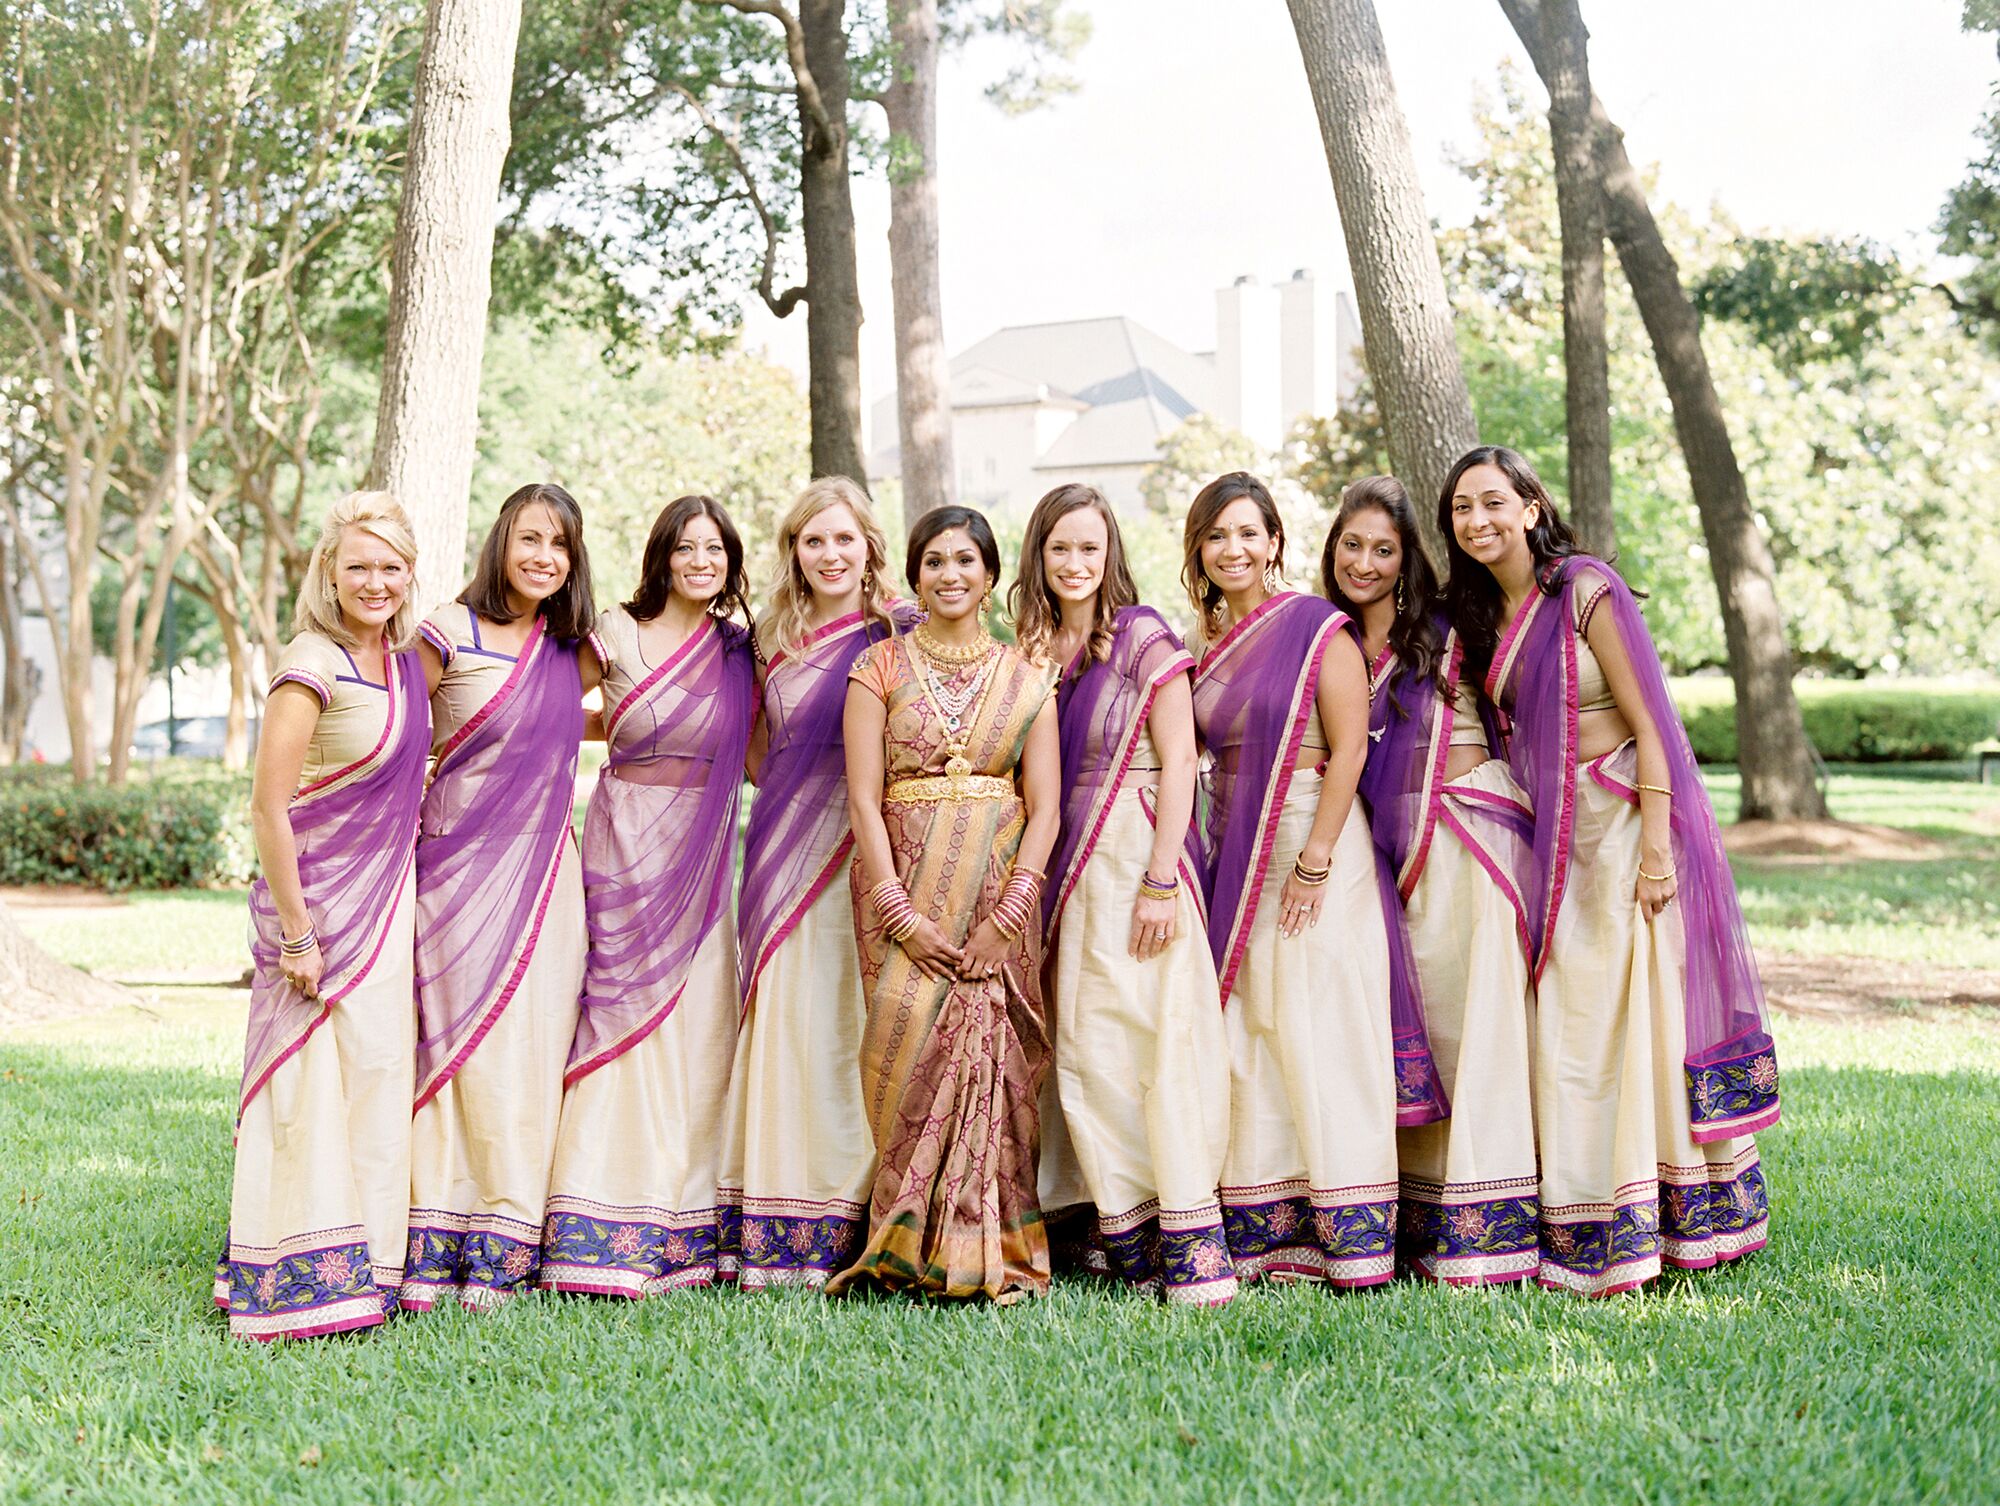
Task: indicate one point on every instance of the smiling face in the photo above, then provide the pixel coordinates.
(1238, 548)
(1074, 555)
(537, 556)
(952, 577)
(370, 580)
(1367, 557)
(1489, 519)
(832, 555)
(699, 564)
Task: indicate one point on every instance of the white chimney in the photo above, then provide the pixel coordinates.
(1248, 361)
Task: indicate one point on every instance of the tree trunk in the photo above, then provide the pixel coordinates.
(34, 986)
(1586, 355)
(923, 368)
(1772, 750)
(833, 287)
(14, 689)
(427, 419)
(1406, 322)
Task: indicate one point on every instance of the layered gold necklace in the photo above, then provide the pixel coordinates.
(957, 706)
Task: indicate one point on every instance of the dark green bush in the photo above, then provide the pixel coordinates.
(1855, 721)
(176, 831)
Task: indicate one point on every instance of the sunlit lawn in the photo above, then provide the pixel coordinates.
(1857, 1360)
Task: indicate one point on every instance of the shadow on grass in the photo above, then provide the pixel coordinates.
(1854, 1360)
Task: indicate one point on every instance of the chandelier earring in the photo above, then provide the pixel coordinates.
(1400, 596)
(1270, 577)
(986, 601)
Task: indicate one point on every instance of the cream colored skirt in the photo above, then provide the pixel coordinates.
(482, 1147)
(320, 1206)
(798, 1158)
(632, 1206)
(1468, 1211)
(1309, 1185)
(1624, 1186)
(1140, 1089)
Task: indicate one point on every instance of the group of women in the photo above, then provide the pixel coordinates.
(1396, 928)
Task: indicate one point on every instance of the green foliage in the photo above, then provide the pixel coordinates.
(175, 830)
(1810, 299)
(627, 441)
(1874, 721)
(1193, 455)
(1869, 469)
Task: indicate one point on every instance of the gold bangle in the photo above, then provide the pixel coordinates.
(1656, 878)
(1657, 789)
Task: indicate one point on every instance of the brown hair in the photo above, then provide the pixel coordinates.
(1035, 606)
(656, 575)
(572, 611)
(1207, 506)
(1414, 634)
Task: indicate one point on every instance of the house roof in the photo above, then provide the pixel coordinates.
(1127, 433)
(1078, 355)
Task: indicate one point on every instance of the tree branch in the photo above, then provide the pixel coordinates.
(795, 49)
(780, 304)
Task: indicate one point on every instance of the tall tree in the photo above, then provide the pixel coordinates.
(923, 365)
(427, 418)
(1586, 356)
(1777, 760)
(1405, 315)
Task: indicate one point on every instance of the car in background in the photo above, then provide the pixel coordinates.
(194, 737)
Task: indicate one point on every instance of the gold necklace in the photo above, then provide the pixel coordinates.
(948, 653)
(959, 713)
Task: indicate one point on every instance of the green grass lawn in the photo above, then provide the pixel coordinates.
(1856, 1360)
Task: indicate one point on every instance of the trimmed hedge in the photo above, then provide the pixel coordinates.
(171, 831)
(1854, 721)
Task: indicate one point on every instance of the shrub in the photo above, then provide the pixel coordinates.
(179, 830)
(1855, 721)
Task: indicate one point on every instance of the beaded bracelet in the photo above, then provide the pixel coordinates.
(298, 946)
(899, 916)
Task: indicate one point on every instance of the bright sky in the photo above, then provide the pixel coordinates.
(1192, 155)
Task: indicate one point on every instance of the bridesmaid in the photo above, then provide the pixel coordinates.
(1327, 1051)
(954, 796)
(1141, 1075)
(632, 1205)
(1653, 1061)
(1455, 828)
(797, 1154)
(318, 1211)
(500, 929)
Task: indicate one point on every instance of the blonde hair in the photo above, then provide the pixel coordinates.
(1037, 611)
(318, 609)
(786, 621)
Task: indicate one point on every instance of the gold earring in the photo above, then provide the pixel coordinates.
(986, 601)
(1399, 595)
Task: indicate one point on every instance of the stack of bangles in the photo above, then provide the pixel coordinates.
(1018, 903)
(892, 903)
(1312, 878)
(1152, 888)
(298, 946)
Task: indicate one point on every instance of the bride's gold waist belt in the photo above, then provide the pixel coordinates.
(931, 789)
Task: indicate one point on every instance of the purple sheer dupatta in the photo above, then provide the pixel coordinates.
(1253, 694)
(1410, 727)
(653, 897)
(1102, 710)
(495, 818)
(356, 833)
(1731, 1069)
(798, 835)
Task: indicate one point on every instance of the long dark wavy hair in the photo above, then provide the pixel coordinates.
(1036, 608)
(1232, 486)
(1472, 597)
(572, 611)
(1414, 634)
(942, 520)
(656, 573)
